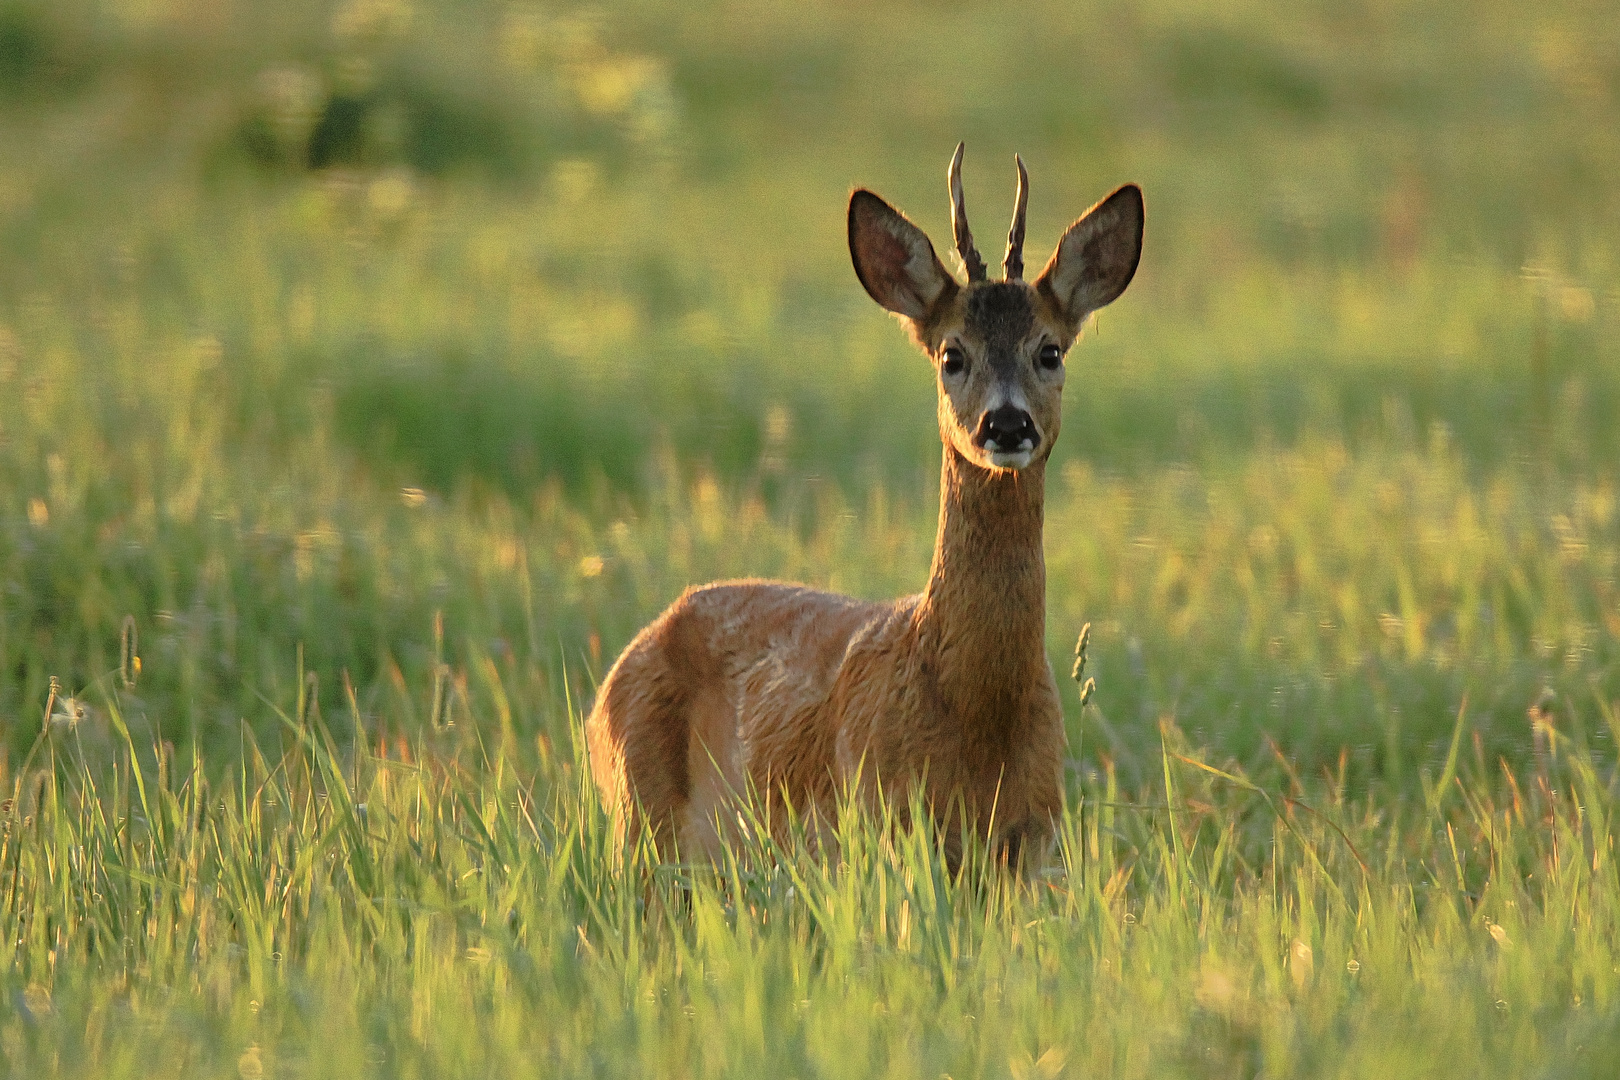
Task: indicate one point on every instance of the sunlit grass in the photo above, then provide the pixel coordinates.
(449, 904)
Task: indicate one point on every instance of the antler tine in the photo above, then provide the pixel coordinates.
(1013, 264)
(959, 223)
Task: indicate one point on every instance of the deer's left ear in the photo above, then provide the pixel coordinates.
(1097, 256)
(894, 259)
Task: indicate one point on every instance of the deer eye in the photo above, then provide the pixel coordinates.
(955, 361)
(1050, 357)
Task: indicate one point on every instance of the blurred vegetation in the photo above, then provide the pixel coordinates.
(1407, 206)
(383, 362)
(557, 268)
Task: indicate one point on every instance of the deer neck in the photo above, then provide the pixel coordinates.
(983, 612)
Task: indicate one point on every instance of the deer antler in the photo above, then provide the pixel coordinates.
(1013, 264)
(959, 223)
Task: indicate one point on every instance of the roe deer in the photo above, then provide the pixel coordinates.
(795, 693)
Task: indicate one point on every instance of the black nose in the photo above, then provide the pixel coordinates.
(1006, 430)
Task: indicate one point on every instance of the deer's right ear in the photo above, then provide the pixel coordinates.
(893, 258)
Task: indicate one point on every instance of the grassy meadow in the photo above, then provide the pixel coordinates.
(371, 371)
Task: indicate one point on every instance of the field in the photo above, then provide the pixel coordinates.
(370, 371)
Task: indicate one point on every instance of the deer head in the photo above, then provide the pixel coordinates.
(997, 346)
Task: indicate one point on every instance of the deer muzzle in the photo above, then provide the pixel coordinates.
(1008, 434)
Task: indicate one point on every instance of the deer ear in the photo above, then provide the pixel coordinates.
(1097, 256)
(893, 258)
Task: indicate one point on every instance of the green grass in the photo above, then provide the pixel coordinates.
(372, 371)
(429, 907)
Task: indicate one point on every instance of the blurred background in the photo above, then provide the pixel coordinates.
(432, 347)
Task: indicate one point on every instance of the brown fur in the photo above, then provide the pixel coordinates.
(796, 693)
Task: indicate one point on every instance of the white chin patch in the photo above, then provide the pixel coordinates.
(1011, 461)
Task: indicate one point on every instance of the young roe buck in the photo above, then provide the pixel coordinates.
(796, 693)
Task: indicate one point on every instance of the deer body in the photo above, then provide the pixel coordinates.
(796, 693)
